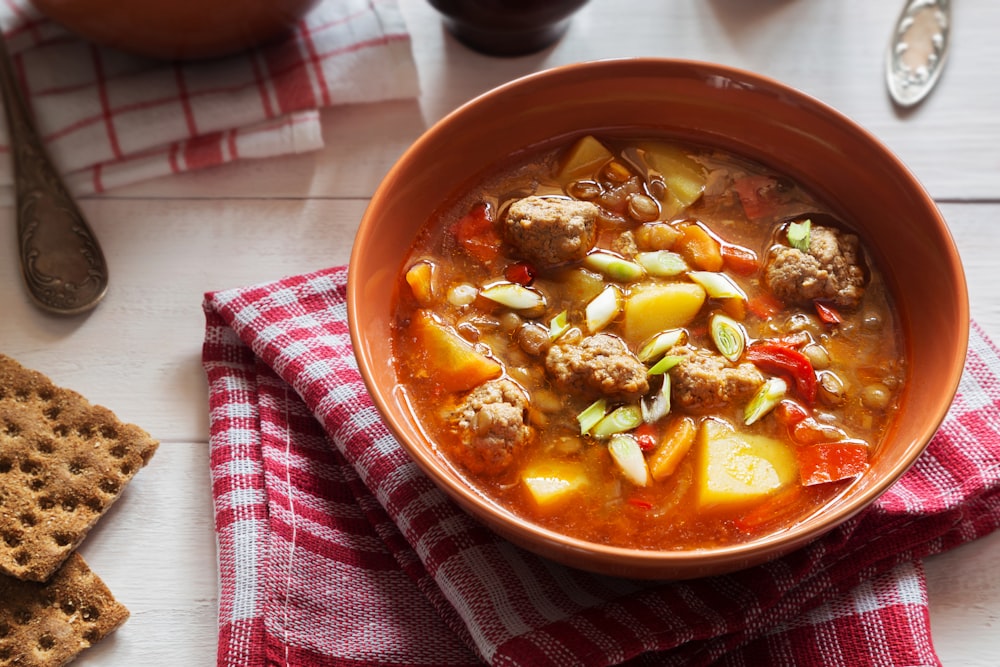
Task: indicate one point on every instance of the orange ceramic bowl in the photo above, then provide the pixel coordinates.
(177, 29)
(735, 110)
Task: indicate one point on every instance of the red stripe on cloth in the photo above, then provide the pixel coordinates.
(185, 100)
(316, 62)
(102, 93)
(96, 175)
(203, 151)
(28, 24)
(234, 149)
(262, 87)
(242, 643)
(175, 166)
(227, 516)
(292, 85)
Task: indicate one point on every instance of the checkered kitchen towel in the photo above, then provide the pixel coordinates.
(110, 119)
(334, 549)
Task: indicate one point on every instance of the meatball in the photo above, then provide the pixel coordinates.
(551, 230)
(491, 426)
(830, 270)
(705, 380)
(600, 365)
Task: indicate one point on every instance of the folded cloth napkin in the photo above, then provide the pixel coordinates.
(110, 119)
(334, 548)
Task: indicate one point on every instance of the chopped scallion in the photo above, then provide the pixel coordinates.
(558, 325)
(627, 454)
(613, 266)
(660, 343)
(512, 295)
(799, 235)
(728, 335)
(621, 419)
(664, 365)
(662, 263)
(603, 308)
(656, 407)
(717, 285)
(594, 413)
(766, 398)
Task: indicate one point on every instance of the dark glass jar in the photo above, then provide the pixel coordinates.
(507, 27)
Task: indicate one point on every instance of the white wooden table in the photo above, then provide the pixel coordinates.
(169, 241)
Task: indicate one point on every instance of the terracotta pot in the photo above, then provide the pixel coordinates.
(177, 29)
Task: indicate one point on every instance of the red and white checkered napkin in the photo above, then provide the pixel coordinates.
(334, 549)
(110, 119)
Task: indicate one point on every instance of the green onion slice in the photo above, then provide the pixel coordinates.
(591, 415)
(613, 266)
(660, 343)
(621, 419)
(512, 295)
(603, 308)
(768, 396)
(728, 335)
(799, 235)
(662, 263)
(558, 325)
(627, 454)
(656, 407)
(717, 285)
(664, 365)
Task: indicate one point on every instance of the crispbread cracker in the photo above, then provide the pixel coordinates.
(63, 462)
(49, 624)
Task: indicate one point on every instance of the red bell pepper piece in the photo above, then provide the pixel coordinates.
(789, 413)
(640, 503)
(764, 306)
(645, 434)
(827, 313)
(831, 461)
(520, 273)
(780, 359)
(475, 233)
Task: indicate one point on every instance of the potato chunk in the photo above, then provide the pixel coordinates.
(551, 482)
(652, 308)
(736, 467)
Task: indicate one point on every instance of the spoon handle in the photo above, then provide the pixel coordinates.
(61, 260)
(917, 50)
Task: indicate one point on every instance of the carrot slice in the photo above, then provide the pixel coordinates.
(698, 248)
(450, 359)
(740, 260)
(677, 441)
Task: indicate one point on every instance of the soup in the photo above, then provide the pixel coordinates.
(648, 344)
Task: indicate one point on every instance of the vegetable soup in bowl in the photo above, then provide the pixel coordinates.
(656, 318)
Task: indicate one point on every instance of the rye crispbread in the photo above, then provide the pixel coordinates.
(63, 462)
(49, 624)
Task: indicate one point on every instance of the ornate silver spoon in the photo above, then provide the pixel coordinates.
(61, 260)
(918, 50)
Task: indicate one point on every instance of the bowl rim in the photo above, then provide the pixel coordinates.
(642, 562)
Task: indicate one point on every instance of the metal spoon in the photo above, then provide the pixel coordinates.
(918, 50)
(61, 260)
